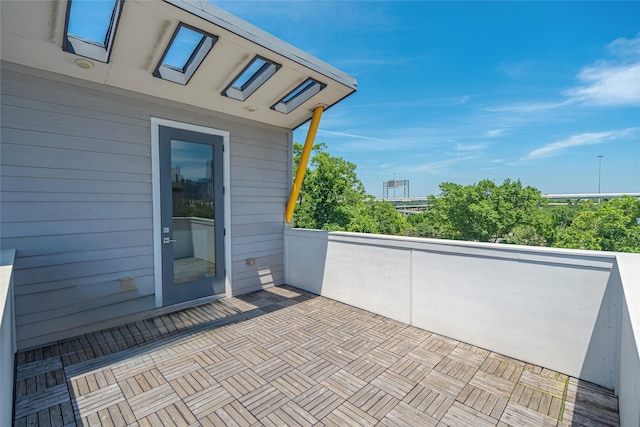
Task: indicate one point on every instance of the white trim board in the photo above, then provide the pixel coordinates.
(155, 174)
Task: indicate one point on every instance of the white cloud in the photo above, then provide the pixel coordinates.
(587, 138)
(605, 84)
(529, 107)
(469, 147)
(494, 132)
(439, 165)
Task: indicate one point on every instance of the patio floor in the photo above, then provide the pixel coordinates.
(285, 357)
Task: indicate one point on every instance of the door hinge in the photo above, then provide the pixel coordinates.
(224, 190)
(224, 231)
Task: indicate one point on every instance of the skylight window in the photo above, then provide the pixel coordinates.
(91, 26)
(188, 48)
(299, 95)
(251, 78)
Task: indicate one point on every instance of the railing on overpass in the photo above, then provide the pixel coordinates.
(416, 205)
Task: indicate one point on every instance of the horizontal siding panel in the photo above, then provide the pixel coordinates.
(42, 245)
(41, 211)
(263, 175)
(46, 228)
(25, 289)
(263, 262)
(66, 300)
(256, 238)
(77, 270)
(239, 192)
(96, 144)
(259, 153)
(68, 185)
(29, 156)
(256, 228)
(52, 197)
(258, 200)
(263, 275)
(74, 111)
(80, 256)
(265, 208)
(257, 218)
(257, 254)
(64, 124)
(246, 162)
(256, 247)
(239, 182)
(31, 88)
(118, 178)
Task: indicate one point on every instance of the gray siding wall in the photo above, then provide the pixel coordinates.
(76, 194)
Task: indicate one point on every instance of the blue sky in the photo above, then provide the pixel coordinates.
(463, 91)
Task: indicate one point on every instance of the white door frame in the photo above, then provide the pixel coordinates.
(155, 177)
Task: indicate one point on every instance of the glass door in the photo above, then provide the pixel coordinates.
(192, 215)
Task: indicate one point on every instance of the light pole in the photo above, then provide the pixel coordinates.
(600, 156)
(394, 185)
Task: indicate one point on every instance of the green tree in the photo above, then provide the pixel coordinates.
(609, 226)
(483, 212)
(333, 198)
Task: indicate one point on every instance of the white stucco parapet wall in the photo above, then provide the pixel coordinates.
(572, 311)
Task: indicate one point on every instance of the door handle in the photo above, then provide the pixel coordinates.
(168, 240)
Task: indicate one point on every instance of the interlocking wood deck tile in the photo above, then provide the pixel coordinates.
(289, 414)
(394, 384)
(443, 384)
(234, 414)
(319, 401)
(243, 383)
(365, 369)
(153, 400)
(263, 400)
(348, 414)
(517, 415)
(192, 382)
(338, 356)
(405, 415)
(493, 383)
(461, 415)
(344, 384)
(208, 400)
(98, 400)
(40, 400)
(293, 383)
(38, 367)
(283, 357)
(374, 401)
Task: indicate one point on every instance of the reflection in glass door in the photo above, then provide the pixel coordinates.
(192, 215)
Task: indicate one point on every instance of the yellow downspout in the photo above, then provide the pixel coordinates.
(304, 159)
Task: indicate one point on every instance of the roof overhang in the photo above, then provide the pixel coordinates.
(33, 34)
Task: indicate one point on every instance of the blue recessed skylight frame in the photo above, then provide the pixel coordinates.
(90, 28)
(254, 75)
(186, 51)
(299, 95)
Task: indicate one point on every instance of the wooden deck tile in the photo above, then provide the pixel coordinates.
(208, 400)
(287, 357)
(289, 414)
(404, 415)
(374, 401)
(293, 383)
(461, 415)
(37, 401)
(344, 384)
(263, 400)
(518, 415)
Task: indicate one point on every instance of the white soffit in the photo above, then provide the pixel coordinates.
(33, 32)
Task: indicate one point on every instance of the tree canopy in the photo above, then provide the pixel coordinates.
(484, 212)
(333, 198)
